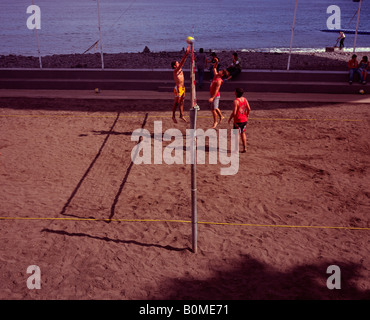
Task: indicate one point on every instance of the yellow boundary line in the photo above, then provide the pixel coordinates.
(162, 116)
(187, 221)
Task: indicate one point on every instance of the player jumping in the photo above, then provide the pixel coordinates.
(179, 91)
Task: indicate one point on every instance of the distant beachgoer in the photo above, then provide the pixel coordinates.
(214, 100)
(363, 68)
(235, 68)
(341, 37)
(353, 68)
(179, 90)
(201, 65)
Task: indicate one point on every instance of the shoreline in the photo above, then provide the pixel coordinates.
(330, 61)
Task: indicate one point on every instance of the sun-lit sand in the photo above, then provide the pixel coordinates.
(298, 204)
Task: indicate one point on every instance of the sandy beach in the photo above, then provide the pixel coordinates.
(298, 204)
(336, 61)
(101, 227)
(82, 219)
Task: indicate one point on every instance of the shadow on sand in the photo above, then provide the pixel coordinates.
(134, 242)
(250, 279)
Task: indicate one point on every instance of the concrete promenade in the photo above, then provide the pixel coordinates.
(161, 80)
(201, 96)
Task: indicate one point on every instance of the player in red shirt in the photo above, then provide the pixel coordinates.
(214, 100)
(241, 110)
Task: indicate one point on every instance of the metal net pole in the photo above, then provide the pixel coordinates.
(100, 37)
(193, 143)
(291, 37)
(37, 39)
(358, 20)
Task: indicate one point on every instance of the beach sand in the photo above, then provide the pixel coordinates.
(335, 61)
(63, 161)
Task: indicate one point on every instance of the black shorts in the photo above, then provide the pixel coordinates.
(242, 126)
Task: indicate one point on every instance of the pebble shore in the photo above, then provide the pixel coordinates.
(334, 61)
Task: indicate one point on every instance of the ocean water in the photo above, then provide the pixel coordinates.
(71, 26)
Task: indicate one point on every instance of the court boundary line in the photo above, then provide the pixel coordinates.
(185, 221)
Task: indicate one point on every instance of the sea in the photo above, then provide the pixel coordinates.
(72, 26)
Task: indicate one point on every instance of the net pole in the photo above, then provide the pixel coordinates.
(38, 46)
(358, 20)
(37, 39)
(291, 37)
(193, 142)
(100, 37)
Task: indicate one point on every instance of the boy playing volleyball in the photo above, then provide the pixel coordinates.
(179, 91)
(241, 110)
(214, 101)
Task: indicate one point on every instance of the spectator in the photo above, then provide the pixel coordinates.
(353, 68)
(235, 68)
(363, 67)
(201, 65)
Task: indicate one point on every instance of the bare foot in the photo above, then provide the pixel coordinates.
(183, 118)
(174, 119)
(215, 125)
(222, 117)
(244, 151)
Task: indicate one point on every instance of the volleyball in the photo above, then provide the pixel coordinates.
(189, 40)
(361, 91)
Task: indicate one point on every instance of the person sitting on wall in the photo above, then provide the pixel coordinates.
(235, 68)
